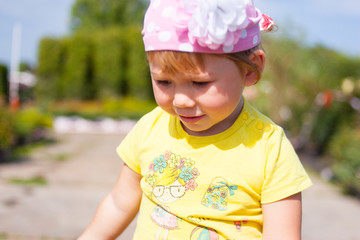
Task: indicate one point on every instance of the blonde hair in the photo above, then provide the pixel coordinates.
(168, 176)
(174, 62)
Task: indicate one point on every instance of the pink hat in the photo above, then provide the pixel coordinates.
(207, 26)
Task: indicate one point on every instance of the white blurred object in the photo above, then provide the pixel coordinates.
(63, 124)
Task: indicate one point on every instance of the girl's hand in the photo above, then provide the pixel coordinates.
(282, 219)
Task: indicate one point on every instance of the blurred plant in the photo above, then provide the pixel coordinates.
(4, 84)
(49, 70)
(126, 107)
(109, 62)
(129, 107)
(94, 14)
(7, 132)
(77, 76)
(344, 147)
(137, 71)
(38, 181)
(29, 123)
(326, 123)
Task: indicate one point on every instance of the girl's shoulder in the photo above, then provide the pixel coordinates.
(151, 120)
(259, 122)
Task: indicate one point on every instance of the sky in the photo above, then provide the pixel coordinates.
(332, 23)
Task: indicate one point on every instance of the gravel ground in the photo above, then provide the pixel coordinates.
(80, 170)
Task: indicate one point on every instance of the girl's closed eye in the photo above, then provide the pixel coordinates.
(163, 82)
(200, 83)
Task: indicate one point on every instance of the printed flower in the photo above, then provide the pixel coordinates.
(223, 194)
(214, 23)
(151, 166)
(189, 163)
(160, 164)
(216, 206)
(181, 163)
(150, 178)
(190, 184)
(195, 173)
(210, 190)
(167, 155)
(174, 160)
(185, 174)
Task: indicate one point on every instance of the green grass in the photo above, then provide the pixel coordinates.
(37, 181)
(3, 236)
(62, 157)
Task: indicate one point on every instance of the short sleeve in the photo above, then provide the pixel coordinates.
(130, 148)
(284, 173)
(127, 150)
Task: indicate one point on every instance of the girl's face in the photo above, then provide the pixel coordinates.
(207, 102)
(170, 193)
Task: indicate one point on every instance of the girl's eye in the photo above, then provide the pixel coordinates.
(200, 84)
(163, 82)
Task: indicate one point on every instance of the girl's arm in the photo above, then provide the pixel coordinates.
(282, 219)
(118, 208)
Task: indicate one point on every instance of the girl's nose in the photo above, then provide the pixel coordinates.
(183, 100)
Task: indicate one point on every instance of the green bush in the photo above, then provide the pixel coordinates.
(327, 121)
(344, 147)
(6, 129)
(77, 77)
(137, 74)
(4, 84)
(49, 70)
(28, 120)
(129, 107)
(109, 64)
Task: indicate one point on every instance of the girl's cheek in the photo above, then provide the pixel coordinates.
(162, 98)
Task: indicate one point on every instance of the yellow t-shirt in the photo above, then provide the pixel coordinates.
(209, 187)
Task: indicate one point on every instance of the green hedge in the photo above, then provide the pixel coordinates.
(109, 63)
(94, 65)
(49, 70)
(4, 83)
(137, 73)
(77, 77)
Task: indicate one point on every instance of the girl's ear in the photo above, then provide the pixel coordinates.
(258, 59)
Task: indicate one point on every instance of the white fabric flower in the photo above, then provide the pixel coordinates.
(215, 23)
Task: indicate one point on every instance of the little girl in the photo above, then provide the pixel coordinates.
(204, 164)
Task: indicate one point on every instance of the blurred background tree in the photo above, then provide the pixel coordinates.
(103, 58)
(96, 14)
(4, 84)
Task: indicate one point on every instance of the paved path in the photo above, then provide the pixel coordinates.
(80, 170)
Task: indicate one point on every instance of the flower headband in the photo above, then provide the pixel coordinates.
(207, 26)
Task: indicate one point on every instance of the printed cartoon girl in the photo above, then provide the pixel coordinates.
(170, 176)
(218, 193)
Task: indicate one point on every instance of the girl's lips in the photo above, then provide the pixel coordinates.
(191, 119)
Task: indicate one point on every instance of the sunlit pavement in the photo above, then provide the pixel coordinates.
(80, 170)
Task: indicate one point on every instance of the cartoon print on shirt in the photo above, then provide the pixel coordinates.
(170, 177)
(238, 224)
(203, 233)
(217, 194)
